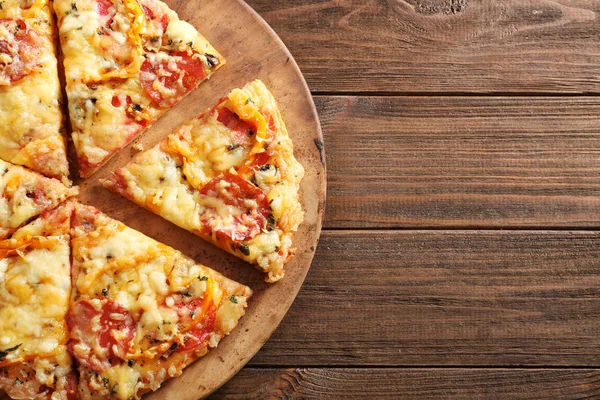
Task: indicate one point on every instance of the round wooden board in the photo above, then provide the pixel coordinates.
(252, 51)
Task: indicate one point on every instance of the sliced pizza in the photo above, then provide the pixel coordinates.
(25, 195)
(35, 289)
(141, 311)
(31, 121)
(53, 222)
(126, 63)
(229, 176)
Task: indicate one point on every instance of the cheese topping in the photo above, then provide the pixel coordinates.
(166, 294)
(35, 287)
(106, 58)
(250, 142)
(31, 121)
(25, 195)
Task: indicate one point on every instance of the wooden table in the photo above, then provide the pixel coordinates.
(461, 252)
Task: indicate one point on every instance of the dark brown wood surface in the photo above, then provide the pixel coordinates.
(441, 46)
(411, 383)
(461, 252)
(462, 161)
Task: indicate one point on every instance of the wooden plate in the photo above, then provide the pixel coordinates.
(252, 51)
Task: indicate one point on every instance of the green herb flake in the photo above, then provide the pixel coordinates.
(114, 389)
(19, 381)
(234, 299)
(4, 353)
(105, 381)
(203, 278)
(245, 250)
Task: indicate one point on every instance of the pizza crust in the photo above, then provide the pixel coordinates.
(241, 139)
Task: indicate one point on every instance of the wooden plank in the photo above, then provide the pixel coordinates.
(423, 298)
(439, 46)
(461, 161)
(422, 384)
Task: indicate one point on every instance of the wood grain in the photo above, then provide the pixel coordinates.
(462, 161)
(517, 46)
(423, 298)
(422, 384)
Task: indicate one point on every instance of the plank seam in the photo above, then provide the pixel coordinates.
(459, 228)
(384, 367)
(322, 93)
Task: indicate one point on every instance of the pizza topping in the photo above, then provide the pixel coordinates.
(71, 386)
(211, 61)
(199, 334)
(18, 381)
(24, 4)
(266, 175)
(243, 131)
(234, 208)
(18, 50)
(107, 11)
(116, 101)
(133, 111)
(119, 35)
(181, 36)
(167, 79)
(162, 21)
(101, 329)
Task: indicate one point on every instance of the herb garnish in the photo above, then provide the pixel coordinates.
(4, 353)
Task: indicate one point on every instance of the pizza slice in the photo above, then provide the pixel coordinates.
(35, 288)
(31, 121)
(25, 195)
(126, 63)
(54, 222)
(141, 311)
(229, 176)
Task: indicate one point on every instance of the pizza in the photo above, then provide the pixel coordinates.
(126, 63)
(31, 121)
(229, 176)
(25, 195)
(35, 289)
(141, 311)
(53, 222)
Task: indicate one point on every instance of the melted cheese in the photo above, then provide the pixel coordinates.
(167, 179)
(26, 194)
(146, 277)
(31, 120)
(109, 60)
(35, 287)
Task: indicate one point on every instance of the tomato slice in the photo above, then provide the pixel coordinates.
(17, 50)
(106, 333)
(200, 332)
(235, 192)
(259, 160)
(243, 131)
(174, 84)
(107, 12)
(163, 21)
